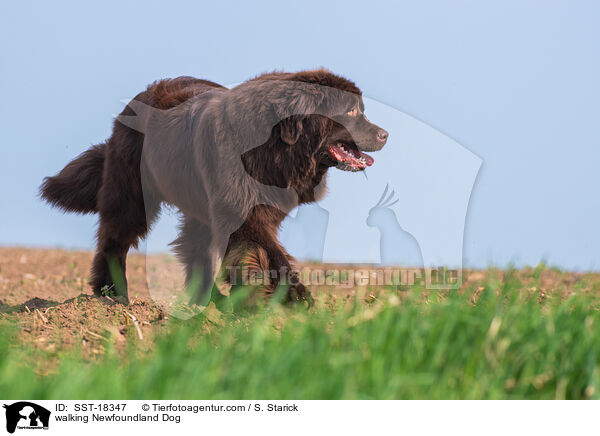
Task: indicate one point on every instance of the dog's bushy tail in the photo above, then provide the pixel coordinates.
(75, 188)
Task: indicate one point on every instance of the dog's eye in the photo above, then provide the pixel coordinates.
(352, 113)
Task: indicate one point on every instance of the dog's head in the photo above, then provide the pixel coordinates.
(350, 134)
(307, 122)
(324, 114)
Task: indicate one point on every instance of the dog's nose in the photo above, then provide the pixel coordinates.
(382, 135)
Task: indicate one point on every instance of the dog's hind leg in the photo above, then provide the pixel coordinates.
(125, 216)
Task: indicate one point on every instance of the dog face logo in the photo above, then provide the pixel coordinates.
(26, 415)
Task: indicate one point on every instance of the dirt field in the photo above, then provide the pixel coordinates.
(46, 291)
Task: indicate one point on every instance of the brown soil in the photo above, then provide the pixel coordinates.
(46, 293)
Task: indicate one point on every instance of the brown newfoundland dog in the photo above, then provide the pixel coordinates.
(234, 162)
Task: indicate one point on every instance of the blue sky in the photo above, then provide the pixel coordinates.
(514, 82)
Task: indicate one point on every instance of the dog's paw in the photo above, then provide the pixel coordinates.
(298, 293)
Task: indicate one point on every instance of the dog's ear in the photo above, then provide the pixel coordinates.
(290, 129)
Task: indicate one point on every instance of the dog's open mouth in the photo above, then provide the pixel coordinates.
(349, 158)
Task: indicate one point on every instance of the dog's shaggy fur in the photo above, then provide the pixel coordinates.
(234, 162)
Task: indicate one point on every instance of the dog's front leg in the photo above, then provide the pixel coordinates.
(281, 272)
(199, 250)
(277, 267)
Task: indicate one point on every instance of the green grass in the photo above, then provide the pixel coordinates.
(506, 345)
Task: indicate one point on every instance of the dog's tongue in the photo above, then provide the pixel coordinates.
(350, 159)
